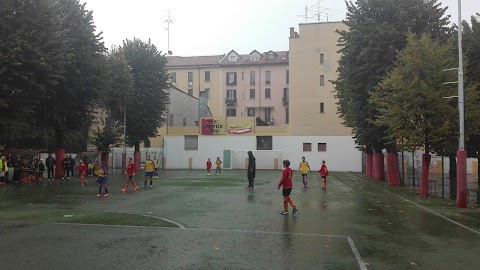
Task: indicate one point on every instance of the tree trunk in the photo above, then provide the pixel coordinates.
(378, 161)
(60, 151)
(425, 171)
(137, 156)
(369, 164)
(452, 174)
(59, 156)
(104, 158)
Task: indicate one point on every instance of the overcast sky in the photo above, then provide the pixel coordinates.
(217, 26)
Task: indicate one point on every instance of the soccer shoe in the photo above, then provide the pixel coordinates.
(295, 210)
(151, 186)
(124, 190)
(143, 186)
(208, 174)
(285, 213)
(99, 195)
(107, 195)
(135, 189)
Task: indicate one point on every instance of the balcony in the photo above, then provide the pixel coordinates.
(252, 83)
(231, 101)
(231, 83)
(285, 100)
(267, 82)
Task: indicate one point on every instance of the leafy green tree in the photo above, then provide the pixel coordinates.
(411, 102)
(147, 104)
(471, 44)
(376, 33)
(109, 135)
(32, 65)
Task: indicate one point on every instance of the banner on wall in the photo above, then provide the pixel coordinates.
(240, 125)
(213, 126)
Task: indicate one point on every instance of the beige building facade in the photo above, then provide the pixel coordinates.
(313, 64)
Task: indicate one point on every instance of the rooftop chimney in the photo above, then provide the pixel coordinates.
(292, 32)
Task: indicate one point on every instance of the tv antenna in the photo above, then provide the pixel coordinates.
(168, 22)
(319, 13)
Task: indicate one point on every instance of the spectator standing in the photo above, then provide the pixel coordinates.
(251, 170)
(50, 162)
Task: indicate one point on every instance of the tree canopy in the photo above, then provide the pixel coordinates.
(377, 31)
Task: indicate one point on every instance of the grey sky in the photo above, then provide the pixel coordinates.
(217, 26)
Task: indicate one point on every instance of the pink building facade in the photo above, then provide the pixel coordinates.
(256, 84)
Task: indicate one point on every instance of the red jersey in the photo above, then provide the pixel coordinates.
(209, 164)
(323, 170)
(131, 168)
(82, 168)
(286, 181)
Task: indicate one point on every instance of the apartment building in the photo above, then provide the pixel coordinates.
(256, 85)
(198, 76)
(313, 65)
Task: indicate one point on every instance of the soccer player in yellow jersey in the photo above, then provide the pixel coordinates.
(304, 168)
(218, 162)
(149, 168)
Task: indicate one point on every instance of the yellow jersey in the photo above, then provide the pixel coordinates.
(149, 165)
(155, 162)
(218, 163)
(304, 167)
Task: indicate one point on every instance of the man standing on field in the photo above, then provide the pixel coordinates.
(304, 168)
(251, 170)
(149, 168)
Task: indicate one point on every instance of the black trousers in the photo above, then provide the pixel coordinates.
(51, 173)
(250, 181)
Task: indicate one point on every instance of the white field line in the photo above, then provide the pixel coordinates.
(349, 239)
(356, 253)
(420, 206)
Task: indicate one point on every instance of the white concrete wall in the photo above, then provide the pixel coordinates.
(341, 154)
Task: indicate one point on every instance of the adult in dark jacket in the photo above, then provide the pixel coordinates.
(251, 169)
(72, 166)
(66, 167)
(50, 163)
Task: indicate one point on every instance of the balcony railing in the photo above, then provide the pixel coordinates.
(285, 100)
(231, 101)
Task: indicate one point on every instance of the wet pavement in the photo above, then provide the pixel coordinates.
(356, 223)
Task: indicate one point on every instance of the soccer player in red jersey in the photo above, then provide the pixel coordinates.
(82, 170)
(286, 183)
(324, 173)
(209, 166)
(130, 172)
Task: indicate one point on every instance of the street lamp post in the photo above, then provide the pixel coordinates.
(461, 153)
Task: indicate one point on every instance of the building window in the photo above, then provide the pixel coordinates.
(268, 77)
(287, 75)
(322, 147)
(231, 94)
(191, 143)
(173, 76)
(322, 107)
(231, 112)
(190, 76)
(287, 119)
(268, 115)
(307, 147)
(252, 77)
(254, 58)
(184, 122)
(252, 93)
(231, 78)
(205, 93)
(190, 92)
(207, 76)
(264, 143)
(322, 80)
(232, 58)
(322, 58)
(170, 120)
(271, 56)
(267, 93)
(251, 112)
